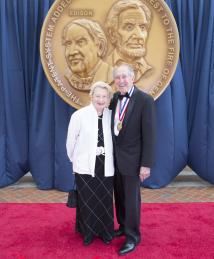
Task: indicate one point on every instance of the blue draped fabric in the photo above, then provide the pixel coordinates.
(172, 141)
(34, 120)
(195, 20)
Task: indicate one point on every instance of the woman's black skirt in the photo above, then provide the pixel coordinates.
(94, 212)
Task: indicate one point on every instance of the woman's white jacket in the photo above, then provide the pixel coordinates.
(82, 140)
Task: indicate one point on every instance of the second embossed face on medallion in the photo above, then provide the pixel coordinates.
(128, 24)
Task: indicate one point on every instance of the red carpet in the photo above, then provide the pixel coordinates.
(34, 231)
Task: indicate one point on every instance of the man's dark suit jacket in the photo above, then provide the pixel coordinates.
(134, 146)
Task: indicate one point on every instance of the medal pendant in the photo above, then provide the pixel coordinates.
(119, 126)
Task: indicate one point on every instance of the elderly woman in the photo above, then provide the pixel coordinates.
(89, 148)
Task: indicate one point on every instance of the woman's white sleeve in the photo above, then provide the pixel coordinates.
(72, 135)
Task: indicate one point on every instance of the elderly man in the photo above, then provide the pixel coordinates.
(85, 46)
(127, 25)
(133, 131)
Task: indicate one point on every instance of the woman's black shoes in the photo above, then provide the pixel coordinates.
(106, 240)
(88, 240)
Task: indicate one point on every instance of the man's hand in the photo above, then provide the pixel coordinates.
(144, 173)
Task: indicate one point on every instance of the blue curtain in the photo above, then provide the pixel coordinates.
(172, 138)
(195, 20)
(34, 120)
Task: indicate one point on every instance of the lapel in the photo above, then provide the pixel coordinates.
(113, 106)
(128, 112)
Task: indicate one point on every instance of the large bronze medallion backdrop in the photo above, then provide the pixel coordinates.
(81, 42)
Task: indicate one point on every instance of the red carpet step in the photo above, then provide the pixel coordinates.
(34, 231)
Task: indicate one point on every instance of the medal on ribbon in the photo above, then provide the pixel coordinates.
(119, 125)
(122, 112)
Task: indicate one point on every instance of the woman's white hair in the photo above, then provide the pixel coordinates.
(101, 85)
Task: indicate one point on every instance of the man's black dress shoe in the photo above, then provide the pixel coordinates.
(127, 248)
(118, 233)
(88, 240)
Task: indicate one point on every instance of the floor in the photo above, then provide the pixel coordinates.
(187, 187)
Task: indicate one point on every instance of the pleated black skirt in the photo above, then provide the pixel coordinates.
(94, 213)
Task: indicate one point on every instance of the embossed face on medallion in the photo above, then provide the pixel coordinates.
(85, 44)
(132, 34)
(81, 52)
(128, 24)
